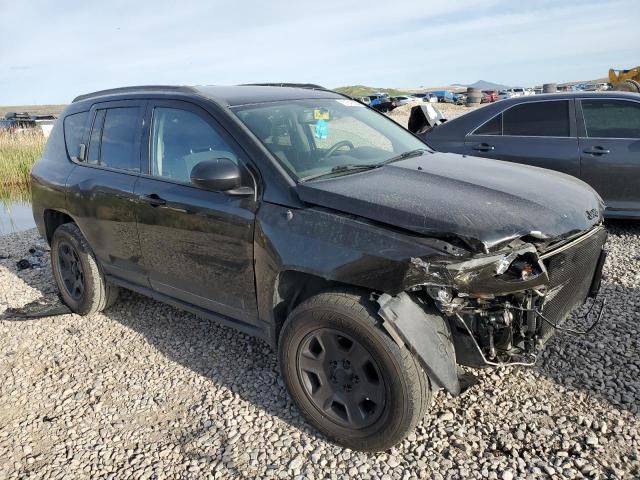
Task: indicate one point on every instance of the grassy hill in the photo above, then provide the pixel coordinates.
(33, 109)
(363, 91)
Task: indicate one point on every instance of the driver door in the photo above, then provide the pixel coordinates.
(197, 245)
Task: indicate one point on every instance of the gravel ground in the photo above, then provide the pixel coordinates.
(148, 391)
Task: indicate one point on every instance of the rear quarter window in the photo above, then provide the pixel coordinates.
(492, 127)
(75, 126)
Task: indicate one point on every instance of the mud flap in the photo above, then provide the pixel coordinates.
(425, 333)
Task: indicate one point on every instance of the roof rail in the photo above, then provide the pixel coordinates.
(141, 88)
(311, 86)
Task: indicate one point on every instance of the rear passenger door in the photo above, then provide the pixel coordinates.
(610, 151)
(539, 133)
(196, 244)
(100, 188)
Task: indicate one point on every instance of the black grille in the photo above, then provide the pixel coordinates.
(571, 271)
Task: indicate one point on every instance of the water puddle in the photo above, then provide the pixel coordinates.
(15, 217)
(15, 209)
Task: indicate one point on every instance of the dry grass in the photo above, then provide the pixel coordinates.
(18, 152)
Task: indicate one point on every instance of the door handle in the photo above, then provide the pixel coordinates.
(597, 151)
(154, 200)
(484, 147)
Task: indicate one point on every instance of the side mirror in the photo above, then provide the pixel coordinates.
(219, 175)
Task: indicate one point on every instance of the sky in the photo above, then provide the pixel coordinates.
(53, 50)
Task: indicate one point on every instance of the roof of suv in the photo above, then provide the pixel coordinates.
(228, 95)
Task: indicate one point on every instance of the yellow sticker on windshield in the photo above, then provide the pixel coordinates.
(321, 114)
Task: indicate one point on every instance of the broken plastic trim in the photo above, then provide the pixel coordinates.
(423, 330)
(47, 306)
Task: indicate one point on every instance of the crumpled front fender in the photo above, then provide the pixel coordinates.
(424, 331)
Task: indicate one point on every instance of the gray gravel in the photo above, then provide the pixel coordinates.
(148, 391)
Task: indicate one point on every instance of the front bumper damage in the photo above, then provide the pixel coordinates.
(492, 310)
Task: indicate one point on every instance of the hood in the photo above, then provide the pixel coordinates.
(485, 202)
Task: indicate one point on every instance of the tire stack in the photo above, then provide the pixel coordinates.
(549, 88)
(474, 96)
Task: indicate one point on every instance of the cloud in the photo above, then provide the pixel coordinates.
(73, 47)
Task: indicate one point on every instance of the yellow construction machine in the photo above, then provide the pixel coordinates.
(625, 80)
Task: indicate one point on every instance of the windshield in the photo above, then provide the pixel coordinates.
(313, 137)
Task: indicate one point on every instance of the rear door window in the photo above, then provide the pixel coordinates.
(537, 119)
(74, 132)
(114, 136)
(611, 118)
(118, 149)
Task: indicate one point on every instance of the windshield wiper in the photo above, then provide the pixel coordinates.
(341, 168)
(363, 166)
(411, 153)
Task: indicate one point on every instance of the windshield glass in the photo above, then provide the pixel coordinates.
(312, 137)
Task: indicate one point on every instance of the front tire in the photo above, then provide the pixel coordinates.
(81, 283)
(347, 376)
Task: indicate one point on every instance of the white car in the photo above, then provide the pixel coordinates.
(515, 92)
(404, 99)
(504, 94)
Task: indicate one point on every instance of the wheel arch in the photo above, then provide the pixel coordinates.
(292, 287)
(53, 219)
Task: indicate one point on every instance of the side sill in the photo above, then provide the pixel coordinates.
(200, 312)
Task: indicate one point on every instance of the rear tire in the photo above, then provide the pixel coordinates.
(80, 281)
(630, 86)
(348, 377)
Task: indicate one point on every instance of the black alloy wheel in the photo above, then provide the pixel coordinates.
(83, 287)
(71, 270)
(347, 376)
(341, 378)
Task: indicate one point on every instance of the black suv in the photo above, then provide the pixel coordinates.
(374, 265)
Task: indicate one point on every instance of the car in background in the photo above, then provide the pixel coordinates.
(459, 98)
(586, 87)
(17, 122)
(426, 97)
(492, 94)
(444, 96)
(14, 122)
(504, 94)
(405, 99)
(430, 98)
(594, 136)
(382, 102)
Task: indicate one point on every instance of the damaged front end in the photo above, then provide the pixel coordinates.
(502, 307)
